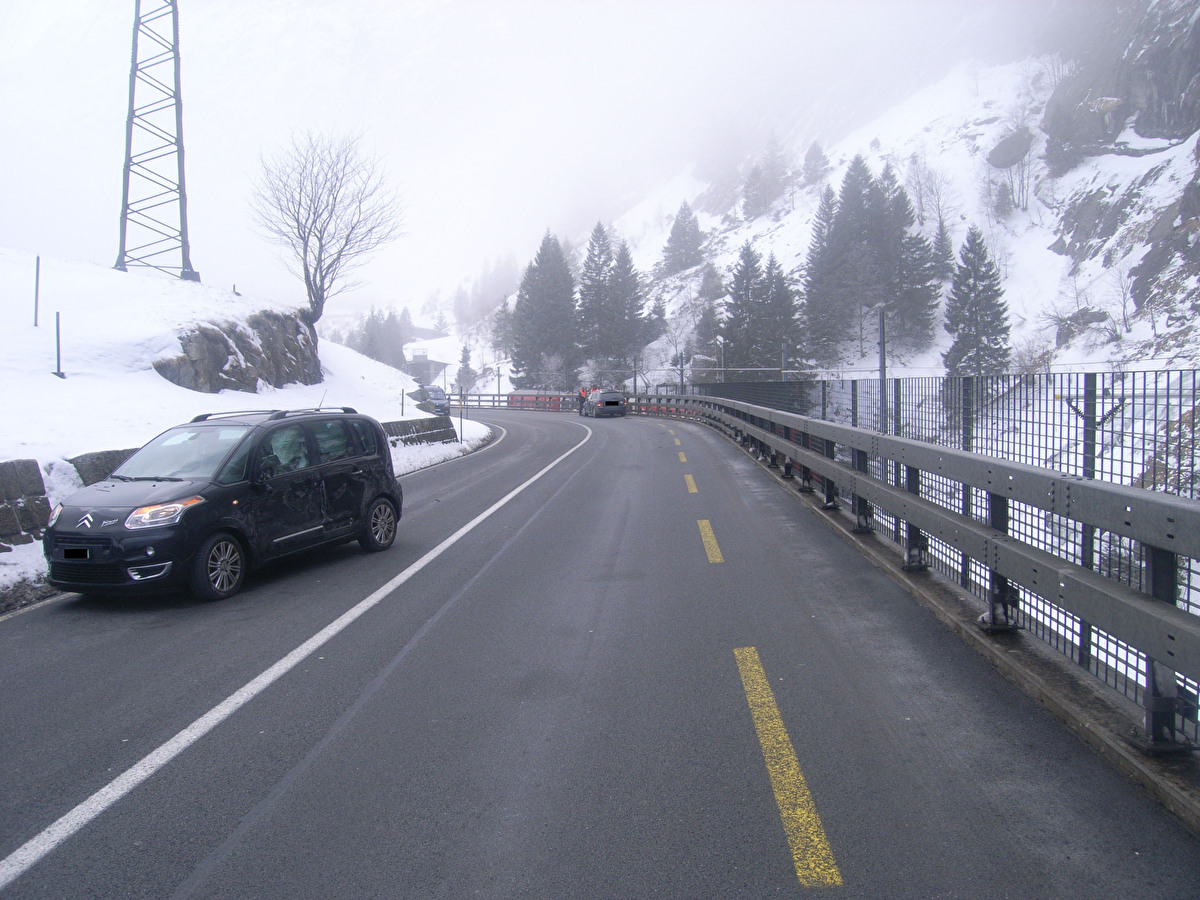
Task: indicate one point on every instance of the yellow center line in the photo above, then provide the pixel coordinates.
(682, 458)
(676, 442)
(710, 541)
(815, 865)
(691, 484)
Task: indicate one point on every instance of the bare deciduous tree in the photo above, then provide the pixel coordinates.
(330, 206)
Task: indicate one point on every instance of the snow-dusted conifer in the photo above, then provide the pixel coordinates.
(684, 242)
(976, 314)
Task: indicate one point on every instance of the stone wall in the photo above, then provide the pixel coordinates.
(24, 509)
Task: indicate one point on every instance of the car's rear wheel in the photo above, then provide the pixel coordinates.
(219, 568)
(379, 529)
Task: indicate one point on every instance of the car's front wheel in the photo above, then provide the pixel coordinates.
(219, 568)
(379, 529)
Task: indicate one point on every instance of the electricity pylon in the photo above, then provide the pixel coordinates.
(154, 199)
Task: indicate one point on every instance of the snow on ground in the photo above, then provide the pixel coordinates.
(113, 325)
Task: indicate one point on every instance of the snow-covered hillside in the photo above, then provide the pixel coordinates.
(947, 130)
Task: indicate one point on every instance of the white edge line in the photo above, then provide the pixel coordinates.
(32, 851)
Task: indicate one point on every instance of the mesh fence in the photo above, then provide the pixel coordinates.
(1130, 428)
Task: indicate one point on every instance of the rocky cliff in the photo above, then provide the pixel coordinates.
(268, 348)
(1138, 95)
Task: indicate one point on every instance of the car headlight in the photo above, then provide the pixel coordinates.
(160, 513)
(54, 515)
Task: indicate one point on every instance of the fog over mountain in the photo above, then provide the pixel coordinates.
(497, 119)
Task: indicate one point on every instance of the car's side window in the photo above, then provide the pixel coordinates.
(284, 450)
(366, 436)
(333, 440)
(235, 469)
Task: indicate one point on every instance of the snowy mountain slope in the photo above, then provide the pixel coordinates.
(1065, 262)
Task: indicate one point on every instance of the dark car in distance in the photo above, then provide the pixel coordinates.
(204, 502)
(437, 399)
(604, 403)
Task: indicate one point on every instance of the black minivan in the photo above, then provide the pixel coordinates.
(203, 503)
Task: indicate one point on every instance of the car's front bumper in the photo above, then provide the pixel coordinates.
(148, 561)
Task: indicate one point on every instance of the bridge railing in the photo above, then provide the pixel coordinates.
(1011, 533)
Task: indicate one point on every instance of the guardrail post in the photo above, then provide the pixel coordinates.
(863, 517)
(1160, 698)
(830, 486)
(916, 547)
(806, 485)
(1001, 614)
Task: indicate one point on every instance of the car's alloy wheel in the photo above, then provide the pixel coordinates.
(379, 530)
(220, 568)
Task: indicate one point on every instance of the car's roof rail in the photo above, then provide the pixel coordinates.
(204, 417)
(284, 413)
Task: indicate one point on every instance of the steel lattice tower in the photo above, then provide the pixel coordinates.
(154, 199)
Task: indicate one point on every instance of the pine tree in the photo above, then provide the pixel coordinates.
(777, 333)
(502, 327)
(976, 315)
(920, 290)
(626, 319)
(823, 325)
(816, 164)
(683, 244)
(906, 262)
(711, 286)
(774, 169)
(545, 326)
(856, 281)
(594, 302)
(467, 376)
(743, 310)
(943, 251)
(753, 204)
(706, 339)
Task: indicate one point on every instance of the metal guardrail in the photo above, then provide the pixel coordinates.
(969, 516)
(544, 401)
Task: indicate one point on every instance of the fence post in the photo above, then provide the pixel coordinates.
(897, 468)
(58, 345)
(966, 386)
(1087, 542)
(862, 512)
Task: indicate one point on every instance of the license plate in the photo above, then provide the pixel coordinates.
(75, 553)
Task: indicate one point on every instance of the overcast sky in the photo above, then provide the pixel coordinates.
(496, 119)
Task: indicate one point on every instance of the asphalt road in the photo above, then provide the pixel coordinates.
(605, 658)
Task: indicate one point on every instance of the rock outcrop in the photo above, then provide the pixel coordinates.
(269, 348)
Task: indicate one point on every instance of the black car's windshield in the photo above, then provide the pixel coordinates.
(436, 393)
(193, 453)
